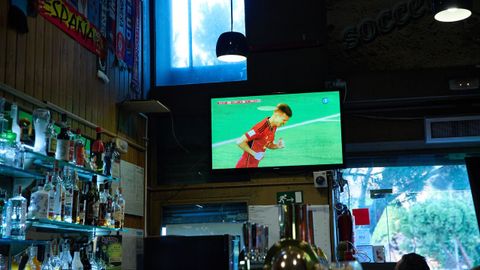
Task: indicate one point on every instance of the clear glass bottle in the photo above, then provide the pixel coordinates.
(18, 216)
(5, 213)
(33, 263)
(77, 263)
(121, 202)
(59, 206)
(50, 189)
(68, 197)
(38, 203)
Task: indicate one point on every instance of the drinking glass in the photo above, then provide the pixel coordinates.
(41, 118)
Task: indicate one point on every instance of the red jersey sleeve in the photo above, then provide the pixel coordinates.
(256, 131)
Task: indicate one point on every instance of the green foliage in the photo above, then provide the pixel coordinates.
(433, 228)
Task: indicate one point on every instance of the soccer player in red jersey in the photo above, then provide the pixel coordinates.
(261, 136)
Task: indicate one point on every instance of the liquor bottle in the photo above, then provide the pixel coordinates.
(4, 215)
(38, 203)
(97, 151)
(121, 203)
(68, 197)
(51, 139)
(77, 263)
(75, 197)
(59, 203)
(18, 215)
(32, 263)
(84, 259)
(110, 220)
(117, 212)
(79, 151)
(82, 202)
(7, 133)
(65, 256)
(91, 213)
(102, 209)
(50, 189)
(63, 141)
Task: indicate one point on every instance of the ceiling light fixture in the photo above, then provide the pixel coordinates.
(452, 10)
(232, 46)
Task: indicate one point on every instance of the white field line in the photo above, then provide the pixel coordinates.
(322, 119)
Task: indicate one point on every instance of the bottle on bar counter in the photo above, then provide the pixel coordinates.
(63, 141)
(79, 152)
(97, 151)
(18, 216)
(51, 139)
(82, 202)
(92, 205)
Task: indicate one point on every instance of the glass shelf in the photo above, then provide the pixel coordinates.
(8, 241)
(60, 226)
(37, 162)
(6, 170)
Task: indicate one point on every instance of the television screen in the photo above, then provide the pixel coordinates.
(280, 130)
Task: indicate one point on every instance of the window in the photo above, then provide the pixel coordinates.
(429, 210)
(186, 36)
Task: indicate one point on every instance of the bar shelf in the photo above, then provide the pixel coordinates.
(66, 227)
(37, 162)
(6, 170)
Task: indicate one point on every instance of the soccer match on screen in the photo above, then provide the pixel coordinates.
(276, 130)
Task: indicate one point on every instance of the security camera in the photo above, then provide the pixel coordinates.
(320, 179)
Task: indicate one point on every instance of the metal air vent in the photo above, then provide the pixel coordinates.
(452, 129)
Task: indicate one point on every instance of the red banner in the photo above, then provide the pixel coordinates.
(74, 24)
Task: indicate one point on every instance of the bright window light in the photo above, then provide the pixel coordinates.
(186, 36)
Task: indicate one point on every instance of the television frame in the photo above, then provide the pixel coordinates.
(288, 168)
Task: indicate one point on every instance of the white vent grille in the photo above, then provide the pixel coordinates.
(452, 129)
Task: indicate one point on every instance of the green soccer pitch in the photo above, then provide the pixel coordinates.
(312, 136)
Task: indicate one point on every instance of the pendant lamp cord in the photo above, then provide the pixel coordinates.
(231, 15)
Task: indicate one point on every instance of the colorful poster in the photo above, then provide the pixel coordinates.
(110, 251)
(67, 18)
(129, 32)
(120, 36)
(112, 25)
(135, 85)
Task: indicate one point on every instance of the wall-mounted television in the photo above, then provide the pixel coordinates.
(277, 130)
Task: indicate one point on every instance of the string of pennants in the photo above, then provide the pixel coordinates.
(100, 25)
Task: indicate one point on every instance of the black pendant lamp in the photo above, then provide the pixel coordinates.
(232, 46)
(452, 10)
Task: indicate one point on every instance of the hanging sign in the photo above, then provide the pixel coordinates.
(289, 197)
(67, 18)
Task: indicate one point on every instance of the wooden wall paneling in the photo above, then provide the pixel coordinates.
(21, 62)
(11, 60)
(63, 75)
(75, 93)
(11, 57)
(112, 90)
(48, 61)
(30, 56)
(39, 57)
(69, 59)
(82, 90)
(3, 39)
(56, 56)
(90, 101)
